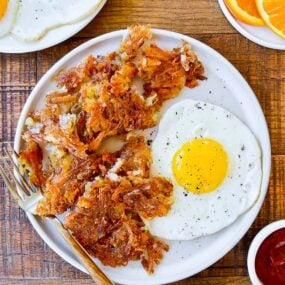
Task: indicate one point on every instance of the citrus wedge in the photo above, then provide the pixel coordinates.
(3, 8)
(245, 11)
(273, 14)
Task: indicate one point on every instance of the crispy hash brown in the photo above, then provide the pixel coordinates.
(108, 194)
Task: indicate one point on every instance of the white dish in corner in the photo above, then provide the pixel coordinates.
(9, 44)
(256, 243)
(260, 35)
(224, 87)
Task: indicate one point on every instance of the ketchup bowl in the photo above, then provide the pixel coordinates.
(266, 255)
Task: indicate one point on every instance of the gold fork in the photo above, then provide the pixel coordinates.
(28, 196)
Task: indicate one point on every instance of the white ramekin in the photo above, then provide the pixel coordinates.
(255, 244)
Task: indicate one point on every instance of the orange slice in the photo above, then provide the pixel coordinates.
(273, 14)
(245, 11)
(3, 8)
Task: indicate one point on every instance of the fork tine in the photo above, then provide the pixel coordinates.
(22, 177)
(32, 187)
(10, 171)
(15, 152)
(10, 187)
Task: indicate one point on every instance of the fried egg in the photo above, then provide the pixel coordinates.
(214, 163)
(8, 12)
(35, 18)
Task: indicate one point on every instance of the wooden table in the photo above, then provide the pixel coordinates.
(24, 257)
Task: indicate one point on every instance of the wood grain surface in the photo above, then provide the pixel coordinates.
(24, 257)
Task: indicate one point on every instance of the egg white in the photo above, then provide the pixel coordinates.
(36, 18)
(193, 215)
(8, 20)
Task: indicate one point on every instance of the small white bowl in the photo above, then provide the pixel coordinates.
(255, 244)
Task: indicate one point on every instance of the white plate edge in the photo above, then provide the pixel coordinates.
(243, 32)
(78, 26)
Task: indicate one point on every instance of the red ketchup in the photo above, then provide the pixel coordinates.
(270, 259)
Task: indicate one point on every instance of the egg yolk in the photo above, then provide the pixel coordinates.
(200, 165)
(3, 8)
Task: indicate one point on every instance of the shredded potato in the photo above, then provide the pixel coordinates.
(116, 234)
(108, 195)
(31, 162)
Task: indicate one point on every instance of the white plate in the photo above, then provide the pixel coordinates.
(225, 87)
(259, 35)
(9, 44)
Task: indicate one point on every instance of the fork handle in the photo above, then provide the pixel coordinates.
(95, 272)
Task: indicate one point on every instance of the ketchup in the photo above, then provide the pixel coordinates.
(270, 259)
